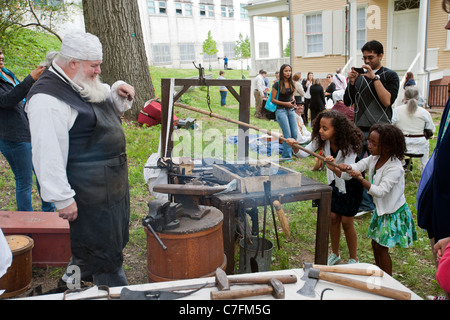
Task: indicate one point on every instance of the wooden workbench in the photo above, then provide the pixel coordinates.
(310, 190)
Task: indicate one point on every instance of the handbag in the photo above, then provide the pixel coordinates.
(270, 106)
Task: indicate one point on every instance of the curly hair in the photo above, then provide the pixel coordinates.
(348, 136)
(391, 140)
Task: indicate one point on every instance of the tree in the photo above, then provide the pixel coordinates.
(209, 46)
(118, 26)
(28, 13)
(242, 49)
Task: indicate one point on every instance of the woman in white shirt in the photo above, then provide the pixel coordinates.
(413, 120)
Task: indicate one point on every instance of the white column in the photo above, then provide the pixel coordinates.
(353, 25)
(280, 34)
(253, 71)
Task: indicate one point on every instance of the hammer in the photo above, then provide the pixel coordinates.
(358, 271)
(314, 275)
(223, 282)
(274, 287)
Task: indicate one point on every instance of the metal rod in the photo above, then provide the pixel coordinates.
(218, 116)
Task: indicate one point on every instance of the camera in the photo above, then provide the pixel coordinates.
(360, 70)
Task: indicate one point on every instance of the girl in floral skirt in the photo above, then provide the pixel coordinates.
(392, 223)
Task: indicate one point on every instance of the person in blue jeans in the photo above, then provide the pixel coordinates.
(283, 97)
(15, 139)
(223, 90)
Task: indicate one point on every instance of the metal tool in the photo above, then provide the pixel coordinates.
(337, 269)
(268, 191)
(127, 294)
(315, 274)
(223, 281)
(274, 287)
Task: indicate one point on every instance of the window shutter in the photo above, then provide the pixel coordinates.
(299, 35)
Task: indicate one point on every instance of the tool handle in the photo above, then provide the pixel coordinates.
(347, 270)
(282, 218)
(366, 286)
(243, 293)
(262, 279)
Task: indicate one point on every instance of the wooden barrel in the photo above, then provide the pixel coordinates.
(18, 278)
(194, 249)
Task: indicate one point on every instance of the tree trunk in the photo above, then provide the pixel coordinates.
(118, 26)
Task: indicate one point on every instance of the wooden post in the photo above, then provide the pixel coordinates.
(244, 108)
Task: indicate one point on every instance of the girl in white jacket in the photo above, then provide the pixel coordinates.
(392, 223)
(340, 141)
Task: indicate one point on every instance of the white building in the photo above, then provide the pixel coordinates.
(176, 29)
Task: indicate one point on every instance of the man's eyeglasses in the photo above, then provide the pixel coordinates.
(370, 58)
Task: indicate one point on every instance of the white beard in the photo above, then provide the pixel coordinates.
(92, 90)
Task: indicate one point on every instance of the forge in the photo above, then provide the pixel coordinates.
(250, 177)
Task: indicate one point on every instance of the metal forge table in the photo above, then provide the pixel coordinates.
(310, 190)
(229, 203)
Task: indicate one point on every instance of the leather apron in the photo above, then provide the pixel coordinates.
(98, 173)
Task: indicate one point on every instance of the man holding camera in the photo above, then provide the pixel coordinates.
(372, 90)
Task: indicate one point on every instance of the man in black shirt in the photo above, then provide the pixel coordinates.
(372, 91)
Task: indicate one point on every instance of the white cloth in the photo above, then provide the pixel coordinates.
(331, 176)
(50, 122)
(387, 185)
(82, 46)
(303, 135)
(5, 256)
(414, 125)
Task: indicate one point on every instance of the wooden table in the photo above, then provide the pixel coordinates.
(322, 291)
(310, 190)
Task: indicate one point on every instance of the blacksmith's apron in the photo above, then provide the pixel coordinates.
(99, 175)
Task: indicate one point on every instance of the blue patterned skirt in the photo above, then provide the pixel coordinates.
(394, 229)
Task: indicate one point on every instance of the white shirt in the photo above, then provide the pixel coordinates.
(331, 176)
(387, 185)
(50, 122)
(340, 82)
(259, 84)
(412, 124)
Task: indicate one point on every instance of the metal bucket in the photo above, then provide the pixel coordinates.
(254, 251)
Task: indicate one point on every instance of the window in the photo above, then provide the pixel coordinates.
(263, 49)
(228, 49)
(360, 27)
(400, 5)
(151, 7)
(156, 7)
(314, 36)
(227, 12)
(183, 9)
(161, 53)
(244, 12)
(206, 8)
(179, 8)
(187, 51)
(162, 7)
(188, 9)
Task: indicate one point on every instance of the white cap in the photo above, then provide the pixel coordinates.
(82, 46)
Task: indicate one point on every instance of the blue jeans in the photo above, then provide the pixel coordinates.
(223, 98)
(18, 155)
(288, 123)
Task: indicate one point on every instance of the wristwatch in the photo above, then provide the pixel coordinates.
(377, 77)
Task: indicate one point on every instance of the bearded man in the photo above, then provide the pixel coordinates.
(79, 155)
